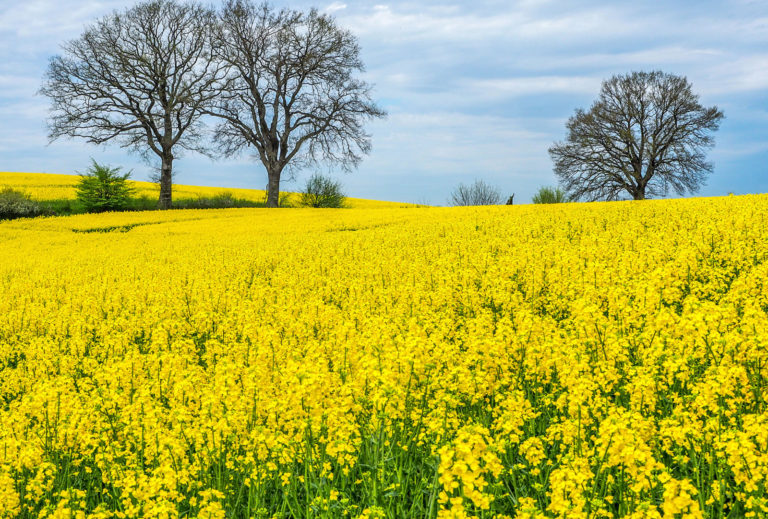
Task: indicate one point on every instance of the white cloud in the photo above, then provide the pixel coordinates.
(494, 89)
(18, 85)
(451, 147)
(409, 22)
(37, 26)
(735, 75)
(738, 149)
(335, 6)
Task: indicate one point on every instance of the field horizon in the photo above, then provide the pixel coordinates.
(61, 186)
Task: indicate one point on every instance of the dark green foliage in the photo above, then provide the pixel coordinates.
(61, 207)
(113, 228)
(65, 207)
(17, 204)
(222, 201)
(102, 188)
(284, 200)
(321, 191)
(143, 203)
(550, 195)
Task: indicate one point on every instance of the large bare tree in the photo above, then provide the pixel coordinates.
(292, 93)
(142, 78)
(647, 133)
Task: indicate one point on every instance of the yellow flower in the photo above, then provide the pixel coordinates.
(196, 361)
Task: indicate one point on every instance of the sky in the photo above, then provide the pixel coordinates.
(474, 89)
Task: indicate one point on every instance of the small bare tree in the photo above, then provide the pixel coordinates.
(142, 78)
(647, 133)
(291, 91)
(478, 193)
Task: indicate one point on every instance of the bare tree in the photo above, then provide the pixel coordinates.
(647, 133)
(291, 91)
(478, 193)
(141, 77)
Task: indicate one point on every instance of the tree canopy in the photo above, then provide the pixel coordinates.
(142, 78)
(292, 92)
(646, 134)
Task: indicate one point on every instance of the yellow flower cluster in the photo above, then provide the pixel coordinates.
(602, 360)
(463, 469)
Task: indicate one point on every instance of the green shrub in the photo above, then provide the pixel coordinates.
(284, 200)
(16, 204)
(321, 191)
(102, 188)
(550, 195)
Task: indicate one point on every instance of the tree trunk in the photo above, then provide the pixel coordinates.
(166, 181)
(273, 188)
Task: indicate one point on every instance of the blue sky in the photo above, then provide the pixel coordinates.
(474, 90)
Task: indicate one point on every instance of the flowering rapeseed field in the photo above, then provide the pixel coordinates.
(48, 186)
(565, 361)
